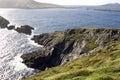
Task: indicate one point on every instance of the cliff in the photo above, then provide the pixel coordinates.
(25, 4)
(81, 53)
(3, 22)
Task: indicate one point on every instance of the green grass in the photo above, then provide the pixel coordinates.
(100, 65)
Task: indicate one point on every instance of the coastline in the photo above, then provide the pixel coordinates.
(63, 47)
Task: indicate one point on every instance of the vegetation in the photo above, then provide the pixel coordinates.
(100, 65)
(103, 64)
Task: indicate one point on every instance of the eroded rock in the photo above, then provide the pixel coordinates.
(38, 59)
(3, 22)
(26, 29)
(63, 46)
(11, 27)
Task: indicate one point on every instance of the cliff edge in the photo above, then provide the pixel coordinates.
(63, 46)
(81, 54)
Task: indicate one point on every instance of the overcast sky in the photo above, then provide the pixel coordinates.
(79, 2)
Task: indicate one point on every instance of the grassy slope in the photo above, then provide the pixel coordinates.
(100, 65)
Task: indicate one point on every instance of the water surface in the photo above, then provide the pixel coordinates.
(48, 20)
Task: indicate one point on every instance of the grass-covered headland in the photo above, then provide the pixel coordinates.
(97, 52)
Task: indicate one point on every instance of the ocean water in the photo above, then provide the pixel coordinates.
(13, 44)
(48, 20)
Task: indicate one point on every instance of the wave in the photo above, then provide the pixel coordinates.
(12, 46)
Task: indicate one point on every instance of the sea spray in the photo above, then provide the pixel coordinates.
(12, 46)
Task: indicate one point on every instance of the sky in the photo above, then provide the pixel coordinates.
(79, 2)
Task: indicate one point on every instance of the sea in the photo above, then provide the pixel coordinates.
(13, 44)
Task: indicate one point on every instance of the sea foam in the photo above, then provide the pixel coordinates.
(12, 46)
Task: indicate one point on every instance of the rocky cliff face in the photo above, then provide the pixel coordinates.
(3, 22)
(63, 46)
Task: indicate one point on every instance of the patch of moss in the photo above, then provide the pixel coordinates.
(105, 78)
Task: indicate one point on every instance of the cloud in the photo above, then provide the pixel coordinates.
(79, 2)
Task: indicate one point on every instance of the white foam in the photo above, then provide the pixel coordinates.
(32, 41)
(12, 46)
(17, 62)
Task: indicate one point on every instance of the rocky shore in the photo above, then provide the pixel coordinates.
(77, 51)
(63, 46)
(26, 29)
(82, 54)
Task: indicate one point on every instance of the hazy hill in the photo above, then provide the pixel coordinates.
(25, 4)
(110, 7)
(113, 4)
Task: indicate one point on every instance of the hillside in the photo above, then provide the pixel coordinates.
(25, 4)
(112, 4)
(83, 54)
(115, 7)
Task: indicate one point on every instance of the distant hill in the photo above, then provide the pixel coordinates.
(30, 4)
(109, 7)
(113, 5)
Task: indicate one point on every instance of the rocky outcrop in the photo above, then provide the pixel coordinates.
(62, 46)
(25, 29)
(3, 22)
(38, 59)
(11, 27)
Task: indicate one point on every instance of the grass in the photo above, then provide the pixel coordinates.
(103, 65)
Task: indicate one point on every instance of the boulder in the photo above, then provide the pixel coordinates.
(3, 22)
(26, 29)
(11, 27)
(38, 59)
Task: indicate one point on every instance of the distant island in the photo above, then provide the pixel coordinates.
(112, 4)
(26, 4)
(109, 7)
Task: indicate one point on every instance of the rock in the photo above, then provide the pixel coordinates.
(3, 22)
(26, 29)
(49, 39)
(62, 46)
(11, 27)
(38, 59)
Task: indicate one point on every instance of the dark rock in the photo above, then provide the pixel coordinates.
(3, 22)
(38, 59)
(49, 39)
(26, 29)
(41, 39)
(11, 27)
